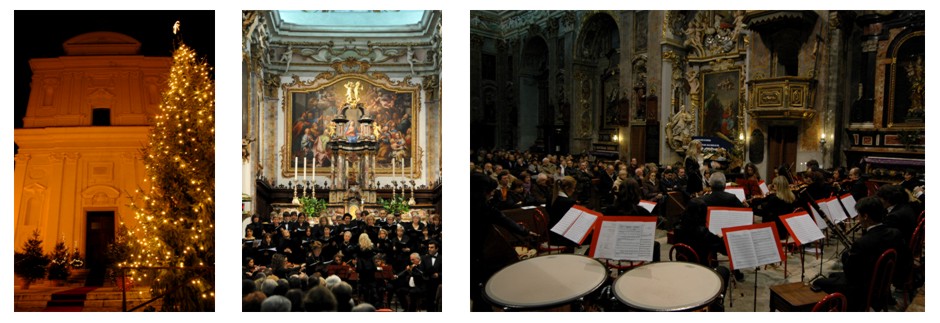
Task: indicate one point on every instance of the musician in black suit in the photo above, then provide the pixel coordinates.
(901, 214)
(432, 267)
(562, 202)
(412, 283)
(718, 196)
(484, 216)
(859, 262)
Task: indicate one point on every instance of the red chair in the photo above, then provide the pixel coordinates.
(834, 302)
(917, 251)
(879, 289)
(683, 252)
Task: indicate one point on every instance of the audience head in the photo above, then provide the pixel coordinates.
(268, 286)
(282, 287)
(332, 280)
(319, 299)
(252, 302)
(276, 303)
(343, 293)
(296, 297)
(248, 287)
(364, 307)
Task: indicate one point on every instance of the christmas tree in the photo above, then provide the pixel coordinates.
(176, 214)
(31, 263)
(59, 269)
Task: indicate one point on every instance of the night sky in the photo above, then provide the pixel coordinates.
(40, 34)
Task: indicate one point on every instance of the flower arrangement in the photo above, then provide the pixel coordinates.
(312, 206)
(395, 205)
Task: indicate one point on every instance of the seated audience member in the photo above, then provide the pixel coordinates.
(859, 262)
(252, 302)
(296, 297)
(248, 287)
(343, 293)
(320, 299)
(276, 303)
(364, 307)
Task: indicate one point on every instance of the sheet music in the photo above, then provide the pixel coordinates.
(575, 224)
(579, 230)
(802, 228)
(648, 205)
(625, 240)
(566, 221)
(766, 246)
(737, 191)
(836, 214)
(763, 187)
(820, 223)
(753, 247)
(719, 218)
(849, 202)
(741, 249)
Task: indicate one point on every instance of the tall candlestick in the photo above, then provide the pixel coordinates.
(305, 170)
(412, 167)
(313, 176)
(295, 168)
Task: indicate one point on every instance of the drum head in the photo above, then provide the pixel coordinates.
(668, 286)
(545, 281)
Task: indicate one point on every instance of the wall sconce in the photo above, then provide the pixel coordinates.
(741, 136)
(616, 138)
(822, 139)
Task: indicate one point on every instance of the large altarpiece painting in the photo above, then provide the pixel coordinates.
(311, 107)
(721, 104)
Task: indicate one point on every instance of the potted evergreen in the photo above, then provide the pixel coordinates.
(59, 268)
(31, 264)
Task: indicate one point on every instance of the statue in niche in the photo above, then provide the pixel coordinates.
(680, 128)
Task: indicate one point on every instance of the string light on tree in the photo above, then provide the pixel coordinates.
(176, 214)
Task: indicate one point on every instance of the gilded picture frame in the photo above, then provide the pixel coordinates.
(311, 106)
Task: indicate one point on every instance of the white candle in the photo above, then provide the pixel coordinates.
(393, 168)
(295, 168)
(305, 169)
(412, 167)
(313, 175)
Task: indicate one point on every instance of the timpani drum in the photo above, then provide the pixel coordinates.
(668, 286)
(546, 283)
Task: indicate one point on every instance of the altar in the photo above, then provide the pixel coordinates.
(351, 132)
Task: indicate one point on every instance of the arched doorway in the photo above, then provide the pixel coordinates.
(597, 81)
